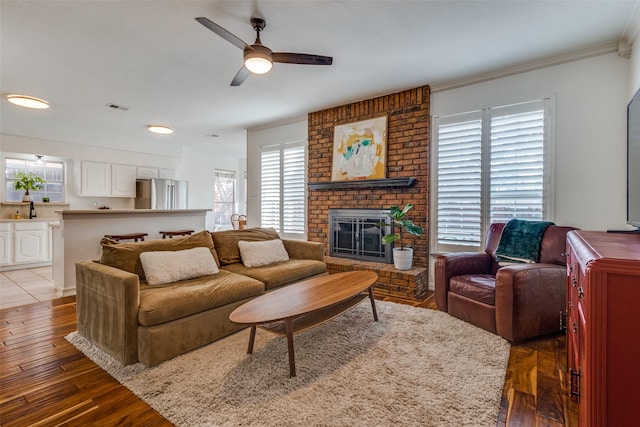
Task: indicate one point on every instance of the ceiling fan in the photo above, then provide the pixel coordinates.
(258, 58)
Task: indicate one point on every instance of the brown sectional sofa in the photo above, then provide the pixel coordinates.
(133, 321)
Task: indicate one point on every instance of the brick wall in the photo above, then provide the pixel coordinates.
(408, 133)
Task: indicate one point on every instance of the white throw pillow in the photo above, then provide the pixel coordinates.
(162, 267)
(264, 252)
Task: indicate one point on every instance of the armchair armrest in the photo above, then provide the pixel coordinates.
(107, 300)
(456, 264)
(304, 249)
(529, 300)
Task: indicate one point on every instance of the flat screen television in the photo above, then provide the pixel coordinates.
(633, 162)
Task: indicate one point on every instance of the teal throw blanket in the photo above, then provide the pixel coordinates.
(520, 241)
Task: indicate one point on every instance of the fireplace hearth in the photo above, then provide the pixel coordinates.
(354, 234)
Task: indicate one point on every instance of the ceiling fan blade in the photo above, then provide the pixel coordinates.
(301, 58)
(222, 32)
(241, 76)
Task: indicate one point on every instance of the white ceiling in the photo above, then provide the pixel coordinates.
(155, 59)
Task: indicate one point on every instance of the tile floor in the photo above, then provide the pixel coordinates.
(20, 287)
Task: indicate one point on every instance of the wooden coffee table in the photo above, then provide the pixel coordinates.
(304, 305)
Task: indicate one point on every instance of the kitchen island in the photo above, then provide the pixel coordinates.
(78, 236)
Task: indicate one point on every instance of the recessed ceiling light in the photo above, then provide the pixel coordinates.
(28, 101)
(160, 129)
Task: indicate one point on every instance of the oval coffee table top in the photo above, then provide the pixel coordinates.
(304, 297)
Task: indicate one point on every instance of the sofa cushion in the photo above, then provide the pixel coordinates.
(275, 275)
(162, 267)
(164, 303)
(126, 256)
(255, 254)
(478, 287)
(226, 242)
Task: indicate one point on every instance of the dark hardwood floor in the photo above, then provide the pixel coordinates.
(45, 381)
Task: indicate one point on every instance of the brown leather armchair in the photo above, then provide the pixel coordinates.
(516, 302)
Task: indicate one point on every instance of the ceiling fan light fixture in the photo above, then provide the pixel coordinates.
(164, 130)
(258, 65)
(257, 59)
(28, 101)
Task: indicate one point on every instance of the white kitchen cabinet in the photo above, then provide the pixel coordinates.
(95, 179)
(147, 172)
(24, 244)
(107, 180)
(123, 180)
(166, 174)
(30, 242)
(6, 244)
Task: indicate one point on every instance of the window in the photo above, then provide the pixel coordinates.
(283, 180)
(491, 167)
(225, 196)
(51, 172)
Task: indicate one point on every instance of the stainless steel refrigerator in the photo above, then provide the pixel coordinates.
(161, 194)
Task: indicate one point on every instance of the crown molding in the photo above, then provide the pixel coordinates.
(529, 66)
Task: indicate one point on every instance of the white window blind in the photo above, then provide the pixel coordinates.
(283, 187)
(490, 168)
(270, 189)
(517, 165)
(459, 182)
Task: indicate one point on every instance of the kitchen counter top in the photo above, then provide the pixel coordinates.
(37, 219)
(68, 212)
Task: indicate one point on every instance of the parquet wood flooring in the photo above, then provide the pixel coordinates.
(45, 381)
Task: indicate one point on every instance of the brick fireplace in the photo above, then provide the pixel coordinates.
(408, 136)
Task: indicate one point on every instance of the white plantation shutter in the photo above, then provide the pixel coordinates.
(459, 181)
(283, 187)
(270, 189)
(490, 168)
(293, 192)
(517, 165)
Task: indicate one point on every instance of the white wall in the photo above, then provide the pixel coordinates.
(197, 167)
(634, 71)
(256, 138)
(590, 132)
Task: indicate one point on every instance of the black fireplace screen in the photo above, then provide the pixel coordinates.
(354, 234)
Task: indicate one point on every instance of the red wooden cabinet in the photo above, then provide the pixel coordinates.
(603, 327)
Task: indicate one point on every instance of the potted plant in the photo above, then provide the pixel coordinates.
(28, 181)
(402, 256)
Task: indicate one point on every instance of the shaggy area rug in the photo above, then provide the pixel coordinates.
(415, 367)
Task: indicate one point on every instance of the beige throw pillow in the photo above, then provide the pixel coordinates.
(162, 267)
(255, 254)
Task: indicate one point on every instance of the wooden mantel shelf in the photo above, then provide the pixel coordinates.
(364, 183)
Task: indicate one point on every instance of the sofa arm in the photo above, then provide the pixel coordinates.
(529, 300)
(456, 264)
(107, 300)
(304, 249)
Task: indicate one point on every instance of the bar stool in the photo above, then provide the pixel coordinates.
(130, 236)
(175, 233)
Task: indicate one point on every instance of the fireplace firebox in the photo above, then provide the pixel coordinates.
(355, 234)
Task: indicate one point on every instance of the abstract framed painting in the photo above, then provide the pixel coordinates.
(360, 150)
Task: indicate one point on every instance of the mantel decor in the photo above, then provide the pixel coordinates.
(360, 150)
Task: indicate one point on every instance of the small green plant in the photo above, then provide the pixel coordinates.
(28, 181)
(398, 220)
